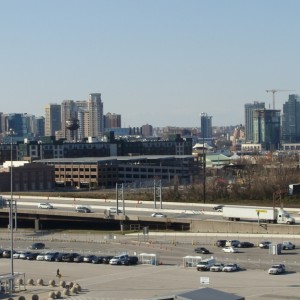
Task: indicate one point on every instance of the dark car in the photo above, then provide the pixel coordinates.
(78, 258)
(97, 260)
(107, 258)
(218, 208)
(7, 253)
(201, 250)
(59, 257)
(89, 258)
(83, 209)
(69, 257)
(245, 245)
(221, 243)
(130, 260)
(37, 246)
(31, 255)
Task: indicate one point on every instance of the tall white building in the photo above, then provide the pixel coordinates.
(95, 109)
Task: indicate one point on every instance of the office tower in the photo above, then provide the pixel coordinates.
(112, 121)
(15, 121)
(95, 109)
(206, 126)
(52, 119)
(249, 107)
(266, 128)
(83, 119)
(39, 126)
(291, 120)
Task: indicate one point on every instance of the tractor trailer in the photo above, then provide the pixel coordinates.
(265, 214)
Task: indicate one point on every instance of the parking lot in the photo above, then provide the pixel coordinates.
(102, 281)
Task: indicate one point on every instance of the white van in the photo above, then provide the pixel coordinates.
(205, 264)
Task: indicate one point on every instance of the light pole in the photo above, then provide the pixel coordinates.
(11, 132)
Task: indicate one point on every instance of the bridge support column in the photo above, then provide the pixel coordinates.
(36, 224)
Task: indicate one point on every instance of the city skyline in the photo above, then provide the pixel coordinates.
(161, 63)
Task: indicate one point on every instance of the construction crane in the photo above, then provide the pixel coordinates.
(275, 91)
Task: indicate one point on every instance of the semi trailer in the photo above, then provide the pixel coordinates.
(264, 214)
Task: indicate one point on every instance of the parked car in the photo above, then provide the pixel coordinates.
(7, 253)
(217, 267)
(230, 250)
(218, 208)
(117, 260)
(36, 246)
(83, 209)
(107, 258)
(277, 269)
(230, 268)
(288, 246)
(69, 257)
(41, 256)
(201, 250)
(265, 244)
(45, 205)
(158, 215)
(50, 256)
(220, 243)
(130, 260)
(232, 243)
(59, 257)
(245, 245)
(97, 260)
(23, 255)
(16, 255)
(31, 255)
(88, 258)
(78, 258)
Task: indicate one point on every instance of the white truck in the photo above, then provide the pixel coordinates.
(264, 214)
(206, 264)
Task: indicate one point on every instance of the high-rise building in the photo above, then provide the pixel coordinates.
(249, 108)
(95, 109)
(112, 120)
(266, 128)
(206, 126)
(52, 119)
(147, 130)
(291, 120)
(39, 126)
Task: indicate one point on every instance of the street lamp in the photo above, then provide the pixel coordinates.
(11, 132)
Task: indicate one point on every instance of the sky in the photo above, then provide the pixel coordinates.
(158, 62)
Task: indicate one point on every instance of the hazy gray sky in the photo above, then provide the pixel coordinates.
(160, 62)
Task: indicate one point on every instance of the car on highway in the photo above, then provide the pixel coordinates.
(158, 215)
(245, 245)
(277, 269)
(230, 268)
(217, 267)
(218, 208)
(114, 210)
(83, 209)
(202, 250)
(37, 246)
(45, 205)
(288, 245)
(230, 250)
(265, 244)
